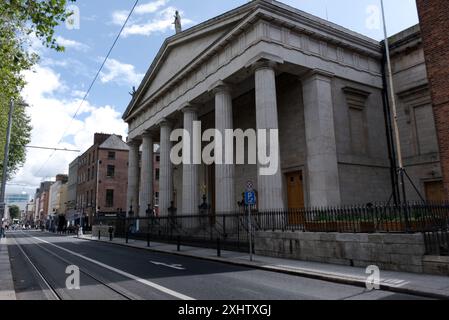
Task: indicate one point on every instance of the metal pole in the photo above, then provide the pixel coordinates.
(395, 118)
(392, 92)
(250, 234)
(5, 163)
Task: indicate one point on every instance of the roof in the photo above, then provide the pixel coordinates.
(114, 142)
(232, 18)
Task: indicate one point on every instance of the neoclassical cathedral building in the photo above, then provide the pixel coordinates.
(266, 65)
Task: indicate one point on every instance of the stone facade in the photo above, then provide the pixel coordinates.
(434, 25)
(419, 143)
(394, 252)
(266, 65)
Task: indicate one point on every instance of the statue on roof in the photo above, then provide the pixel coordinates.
(177, 23)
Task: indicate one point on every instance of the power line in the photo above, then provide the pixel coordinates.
(46, 148)
(92, 84)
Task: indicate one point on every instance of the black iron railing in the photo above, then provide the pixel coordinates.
(232, 229)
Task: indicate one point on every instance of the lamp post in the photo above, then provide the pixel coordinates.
(5, 162)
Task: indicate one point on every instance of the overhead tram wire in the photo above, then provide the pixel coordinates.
(92, 84)
(47, 148)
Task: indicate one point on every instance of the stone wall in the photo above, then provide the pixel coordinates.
(394, 252)
(436, 265)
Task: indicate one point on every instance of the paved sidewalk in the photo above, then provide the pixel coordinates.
(401, 282)
(6, 282)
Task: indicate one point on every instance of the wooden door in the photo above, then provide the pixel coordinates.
(434, 191)
(295, 193)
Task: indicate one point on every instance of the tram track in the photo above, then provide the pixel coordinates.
(51, 288)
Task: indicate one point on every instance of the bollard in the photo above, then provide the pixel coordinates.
(218, 247)
(126, 236)
(179, 243)
(99, 234)
(148, 239)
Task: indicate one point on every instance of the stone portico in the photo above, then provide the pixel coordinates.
(264, 65)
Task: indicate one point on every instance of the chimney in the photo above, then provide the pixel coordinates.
(99, 138)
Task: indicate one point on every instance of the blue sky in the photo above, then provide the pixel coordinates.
(59, 80)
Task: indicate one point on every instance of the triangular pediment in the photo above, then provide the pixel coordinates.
(180, 56)
(178, 51)
(182, 53)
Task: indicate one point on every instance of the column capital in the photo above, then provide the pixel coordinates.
(189, 107)
(133, 143)
(264, 61)
(148, 134)
(221, 86)
(164, 122)
(317, 74)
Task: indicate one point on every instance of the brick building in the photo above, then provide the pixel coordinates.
(41, 200)
(102, 175)
(434, 24)
(102, 178)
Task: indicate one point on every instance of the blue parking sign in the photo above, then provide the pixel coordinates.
(250, 198)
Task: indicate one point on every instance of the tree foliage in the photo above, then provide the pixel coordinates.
(14, 212)
(21, 22)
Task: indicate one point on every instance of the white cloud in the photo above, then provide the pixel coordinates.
(150, 7)
(71, 44)
(162, 23)
(119, 17)
(160, 20)
(120, 73)
(50, 118)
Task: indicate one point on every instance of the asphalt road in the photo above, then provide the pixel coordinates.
(110, 272)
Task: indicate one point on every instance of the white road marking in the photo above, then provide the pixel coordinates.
(173, 266)
(123, 273)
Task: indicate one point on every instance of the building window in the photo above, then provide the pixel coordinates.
(111, 172)
(358, 127)
(111, 155)
(109, 198)
(93, 173)
(88, 174)
(158, 159)
(157, 174)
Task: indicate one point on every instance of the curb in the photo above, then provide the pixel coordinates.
(301, 273)
(7, 292)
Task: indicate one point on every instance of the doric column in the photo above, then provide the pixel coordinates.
(146, 174)
(270, 185)
(190, 178)
(166, 169)
(224, 173)
(322, 163)
(133, 176)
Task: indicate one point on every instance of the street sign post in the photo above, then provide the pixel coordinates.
(250, 200)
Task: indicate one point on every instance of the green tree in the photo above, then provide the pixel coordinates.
(20, 137)
(21, 21)
(14, 212)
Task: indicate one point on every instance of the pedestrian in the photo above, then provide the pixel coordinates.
(3, 229)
